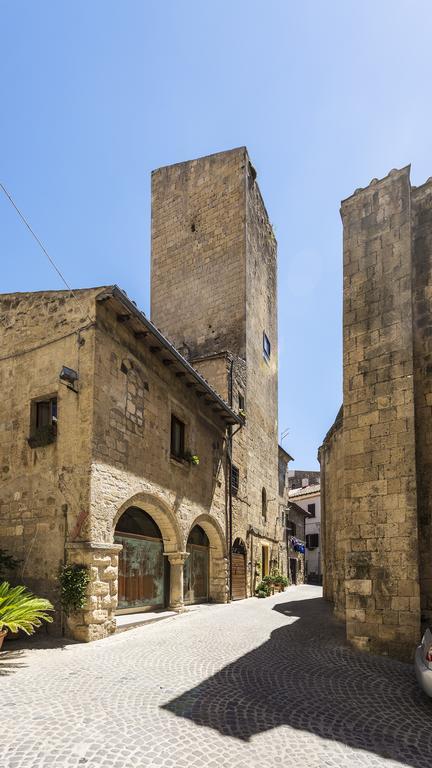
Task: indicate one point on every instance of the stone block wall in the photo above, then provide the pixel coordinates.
(334, 530)
(97, 619)
(421, 206)
(377, 532)
(212, 240)
(198, 229)
(45, 491)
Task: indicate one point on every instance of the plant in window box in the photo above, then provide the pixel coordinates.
(192, 458)
(43, 436)
(242, 413)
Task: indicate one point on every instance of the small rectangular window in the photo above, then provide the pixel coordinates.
(290, 528)
(43, 422)
(312, 540)
(177, 438)
(235, 479)
(311, 509)
(266, 346)
(241, 401)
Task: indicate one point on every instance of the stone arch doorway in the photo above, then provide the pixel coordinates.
(196, 567)
(212, 538)
(238, 573)
(143, 571)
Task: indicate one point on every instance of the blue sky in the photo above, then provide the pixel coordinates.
(326, 96)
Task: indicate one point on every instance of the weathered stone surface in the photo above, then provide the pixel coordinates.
(212, 239)
(112, 444)
(376, 465)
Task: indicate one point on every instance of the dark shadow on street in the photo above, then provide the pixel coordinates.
(307, 677)
(10, 661)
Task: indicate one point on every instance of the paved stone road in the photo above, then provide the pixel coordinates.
(260, 683)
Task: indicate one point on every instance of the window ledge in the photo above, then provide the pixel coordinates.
(178, 462)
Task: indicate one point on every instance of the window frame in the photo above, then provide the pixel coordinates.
(235, 472)
(43, 434)
(312, 537)
(312, 514)
(266, 347)
(264, 504)
(180, 455)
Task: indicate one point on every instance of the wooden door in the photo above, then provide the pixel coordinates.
(196, 575)
(238, 576)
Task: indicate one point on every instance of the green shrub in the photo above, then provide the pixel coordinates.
(281, 581)
(263, 587)
(74, 580)
(268, 580)
(20, 609)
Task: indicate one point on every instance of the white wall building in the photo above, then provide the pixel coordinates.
(308, 498)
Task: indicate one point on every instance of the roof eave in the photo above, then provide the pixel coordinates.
(229, 416)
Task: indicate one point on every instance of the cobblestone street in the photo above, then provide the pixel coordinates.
(255, 683)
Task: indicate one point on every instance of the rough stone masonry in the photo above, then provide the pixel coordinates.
(376, 460)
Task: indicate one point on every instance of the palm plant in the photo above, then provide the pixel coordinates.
(20, 609)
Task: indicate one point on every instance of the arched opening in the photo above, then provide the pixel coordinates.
(238, 573)
(264, 503)
(196, 567)
(143, 571)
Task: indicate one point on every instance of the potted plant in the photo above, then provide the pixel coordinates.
(263, 588)
(192, 458)
(20, 609)
(280, 582)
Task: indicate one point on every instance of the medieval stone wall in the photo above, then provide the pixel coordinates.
(214, 252)
(334, 530)
(198, 251)
(421, 203)
(132, 457)
(377, 532)
(44, 490)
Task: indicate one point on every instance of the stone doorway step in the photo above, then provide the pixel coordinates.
(132, 620)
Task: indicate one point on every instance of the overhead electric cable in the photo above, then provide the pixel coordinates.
(41, 245)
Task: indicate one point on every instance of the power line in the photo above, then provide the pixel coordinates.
(42, 247)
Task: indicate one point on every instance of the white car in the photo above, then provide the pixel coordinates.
(423, 663)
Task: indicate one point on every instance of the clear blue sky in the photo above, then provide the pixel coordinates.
(325, 94)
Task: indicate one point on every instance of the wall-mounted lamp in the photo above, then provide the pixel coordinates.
(69, 376)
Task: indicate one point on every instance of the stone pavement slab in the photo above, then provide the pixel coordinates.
(255, 683)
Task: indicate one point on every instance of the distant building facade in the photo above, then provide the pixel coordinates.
(376, 460)
(293, 519)
(308, 498)
(151, 461)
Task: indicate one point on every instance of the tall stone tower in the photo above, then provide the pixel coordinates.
(376, 460)
(213, 294)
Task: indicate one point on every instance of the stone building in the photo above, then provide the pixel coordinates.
(151, 461)
(376, 459)
(213, 294)
(293, 519)
(308, 499)
(300, 478)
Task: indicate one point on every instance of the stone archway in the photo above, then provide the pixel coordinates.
(218, 585)
(162, 515)
(171, 537)
(143, 571)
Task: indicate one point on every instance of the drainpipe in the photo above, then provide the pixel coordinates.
(229, 447)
